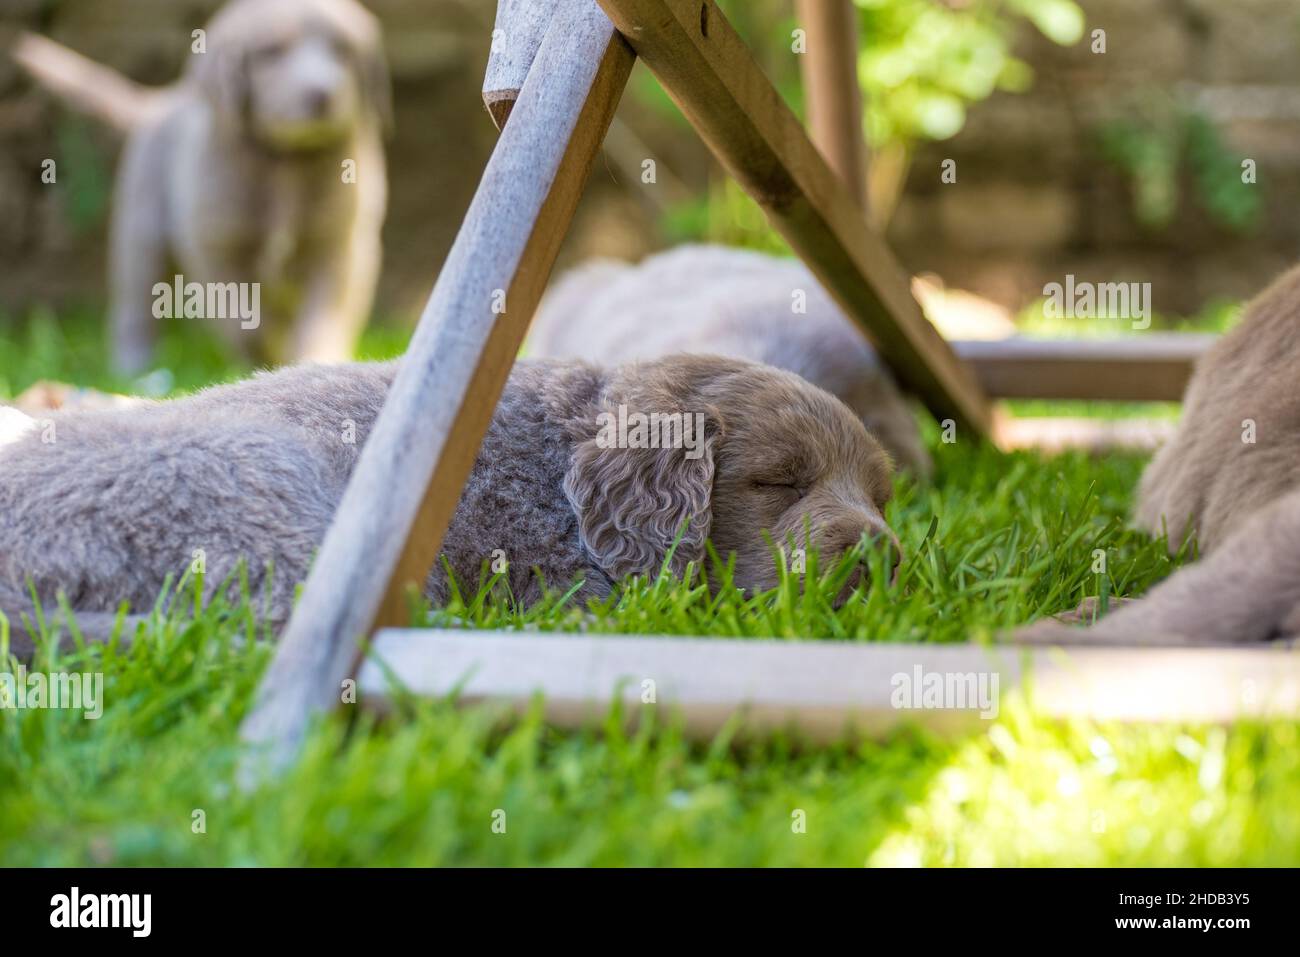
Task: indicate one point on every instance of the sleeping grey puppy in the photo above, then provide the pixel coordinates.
(734, 302)
(262, 166)
(569, 484)
(1231, 476)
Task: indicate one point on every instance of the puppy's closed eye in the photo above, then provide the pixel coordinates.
(340, 47)
(794, 490)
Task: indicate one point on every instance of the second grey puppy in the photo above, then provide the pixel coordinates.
(1231, 476)
(732, 302)
(258, 179)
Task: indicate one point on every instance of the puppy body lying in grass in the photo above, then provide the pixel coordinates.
(1231, 476)
(733, 302)
(239, 173)
(104, 507)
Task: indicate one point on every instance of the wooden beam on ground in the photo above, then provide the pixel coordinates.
(1152, 366)
(389, 526)
(822, 689)
(1053, 434)
(516, 36)
(709, 73)
(833, 96)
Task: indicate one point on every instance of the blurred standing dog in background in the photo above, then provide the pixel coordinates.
(729, 302)
(262, 165)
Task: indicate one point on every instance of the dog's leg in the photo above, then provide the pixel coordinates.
(337, 306)
(341, 288)
(1089, 610)
(1247, 590)
(97, 628)
(138, 250)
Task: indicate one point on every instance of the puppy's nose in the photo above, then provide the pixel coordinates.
(881, 535)
(320, 101)
(849, 535)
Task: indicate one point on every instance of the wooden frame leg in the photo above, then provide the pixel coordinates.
(389, 526)
(832, 94)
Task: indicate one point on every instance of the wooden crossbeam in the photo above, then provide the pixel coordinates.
(705, 67)
(823, 688)
(832, 94)
(389, 526)
(1051, 434)
(1150, 367)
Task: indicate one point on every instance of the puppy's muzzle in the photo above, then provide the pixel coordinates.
(877, 533)
(320, 102)
(882, 536)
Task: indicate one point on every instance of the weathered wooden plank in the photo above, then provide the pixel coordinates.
(1150, 367)
(823, 688)
(390, 523)
(832, 94)
(1095, 435)
(707, 70)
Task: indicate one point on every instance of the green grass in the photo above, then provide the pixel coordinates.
(72, 347)
(995, 541)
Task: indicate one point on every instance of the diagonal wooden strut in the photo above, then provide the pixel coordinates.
(832, 93)
(389, 526)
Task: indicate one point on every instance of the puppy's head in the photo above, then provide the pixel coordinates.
(296, 75)
(736, 451)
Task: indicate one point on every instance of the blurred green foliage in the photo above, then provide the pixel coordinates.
(1171, 154)
(921, 64)
(71, 346)
(84, 171)
(924, 62)
(1216, 316)
(724, 214)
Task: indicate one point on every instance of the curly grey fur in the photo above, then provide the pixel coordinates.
(1240, 498)
(105, 506)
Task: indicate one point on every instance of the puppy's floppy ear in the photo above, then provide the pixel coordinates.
(376, 83)
(632, 503)
(359, 29)
(221, 73)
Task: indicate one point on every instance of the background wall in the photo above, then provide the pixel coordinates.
(1107, 167)
(1041, 193)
